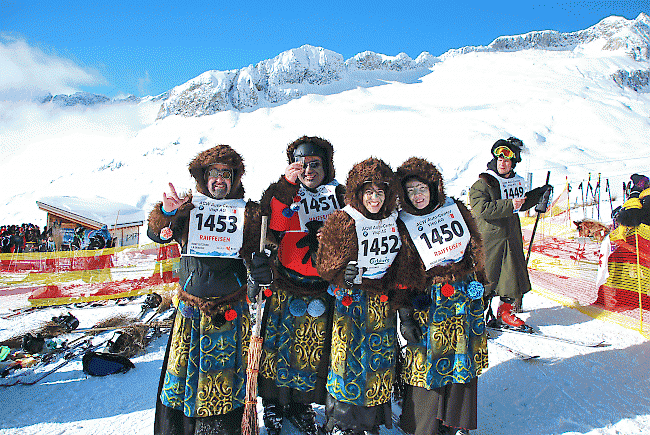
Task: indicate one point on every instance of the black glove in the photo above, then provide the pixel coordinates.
(260, 274)
(351, 272)
(408, 326)
(545, 199)
(310, 240)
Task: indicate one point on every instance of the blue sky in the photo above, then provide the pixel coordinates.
(121, 47)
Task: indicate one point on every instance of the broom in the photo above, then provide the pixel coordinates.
(249, 423)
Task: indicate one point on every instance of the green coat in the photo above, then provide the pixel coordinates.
(505, 264)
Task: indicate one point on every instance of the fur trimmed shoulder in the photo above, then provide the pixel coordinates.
(337, 246)
(281, 190)
(252, 230)
(178, 222)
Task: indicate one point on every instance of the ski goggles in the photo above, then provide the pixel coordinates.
(505, 152)
(226, 174)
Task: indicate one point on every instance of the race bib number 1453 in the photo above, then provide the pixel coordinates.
(216, 227)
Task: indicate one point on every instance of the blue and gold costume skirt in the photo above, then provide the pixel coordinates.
(453, 348)
(206, 369)
(363, 352)
(295, 335)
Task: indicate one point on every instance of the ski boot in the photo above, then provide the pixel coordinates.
(509, 320)
(303, 417)
(68, 322)
(273, 414)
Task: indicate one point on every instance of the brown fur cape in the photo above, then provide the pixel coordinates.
(284, 191)
(179, 222)
(413, 273)
(338, 241)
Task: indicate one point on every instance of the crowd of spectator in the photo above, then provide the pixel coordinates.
(24, 238)
(30, 238)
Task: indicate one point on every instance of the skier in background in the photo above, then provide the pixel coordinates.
(496, 198)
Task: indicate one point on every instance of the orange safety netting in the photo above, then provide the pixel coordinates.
(564, 266)
(55, 278)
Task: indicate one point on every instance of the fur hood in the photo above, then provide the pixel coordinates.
(428, 174)
(378, 172)
(223, 154)
(327, 148)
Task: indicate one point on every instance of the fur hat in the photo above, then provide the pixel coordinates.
(225, 155)
(326, 153)
(427, 173)
(376, 171)
(515, 145)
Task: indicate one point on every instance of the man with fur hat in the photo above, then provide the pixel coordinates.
(298, 315)
(443, 323)
(202, 386)
(496, 198)
(358, 255)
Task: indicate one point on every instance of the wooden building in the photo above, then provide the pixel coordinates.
(67, 212)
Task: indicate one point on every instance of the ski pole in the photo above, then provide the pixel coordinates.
(532, 236)
(609, 192)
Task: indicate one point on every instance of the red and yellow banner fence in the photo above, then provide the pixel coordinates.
(56, 278)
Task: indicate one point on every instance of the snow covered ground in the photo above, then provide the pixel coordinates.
(568, 390)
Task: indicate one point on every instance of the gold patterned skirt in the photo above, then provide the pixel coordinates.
(363, 352)
(453, 348)
(206, 369)
(296, 336)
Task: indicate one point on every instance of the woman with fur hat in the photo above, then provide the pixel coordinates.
(358, 255)
(443, 325)
(203, 386)
(297, 320)
(496, 198)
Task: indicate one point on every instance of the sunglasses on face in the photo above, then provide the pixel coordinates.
(226, 174)
(504, 152)
(416, 190)
(314, 164)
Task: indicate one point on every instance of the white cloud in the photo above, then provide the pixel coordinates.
(143, 83)
(29, 72)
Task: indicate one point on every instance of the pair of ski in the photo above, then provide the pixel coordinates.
(26, 310)
(537, 334)
(83, 345)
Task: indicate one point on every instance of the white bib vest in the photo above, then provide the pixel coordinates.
(510, 187)
(440, 237)
(378, 243)
(316, 206)
(216, 227)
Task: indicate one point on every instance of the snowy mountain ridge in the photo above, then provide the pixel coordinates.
(85, 99)
(316, 70)
(289, 75)
(615, 33)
